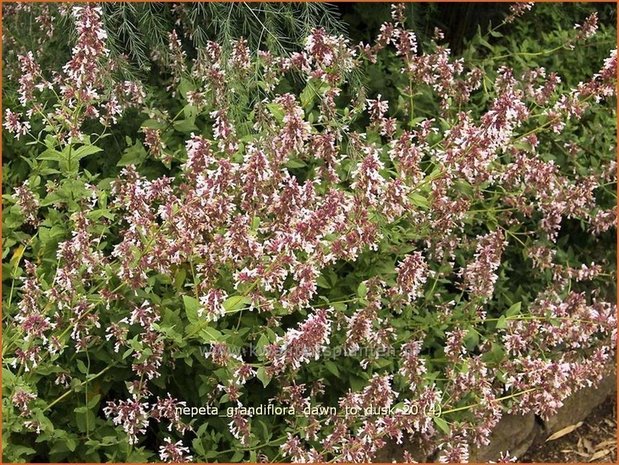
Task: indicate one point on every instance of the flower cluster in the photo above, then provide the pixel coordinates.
(85, 88)
(301, 345)
(480, 275)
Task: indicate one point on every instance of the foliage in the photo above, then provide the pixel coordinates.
(139, 30)
(258, 231)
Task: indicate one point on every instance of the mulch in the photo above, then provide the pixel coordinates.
(595, 440)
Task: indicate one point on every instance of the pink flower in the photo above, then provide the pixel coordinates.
(211, 304)
(174, 452)
(456, 450)
(22, 399)
(14, 125)
(30, 74)
(588, 28)
(412, 275)
(368, 182)
(168, 409)
(83, 69)
(27, 202)
(300, 345)
(240, 58)
(131, 414)
(518, 9)
(377, 109)
(239, 427)
(480, 275)
(412, 367)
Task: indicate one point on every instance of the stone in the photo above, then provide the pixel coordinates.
(392, 452)
(514, 434)
(579, 405)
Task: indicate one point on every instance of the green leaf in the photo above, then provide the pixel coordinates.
(154, 124)
(502, 323)
(92, 403)
(419, 201)
(179, 278)
(236, 302)
(442, 424)
(264, 431)
(312, 90)
(357, 383)
(84, 418)
(52, 155)
(197, 446)
(295, 163)
(7, 377)
(263, 376)
(82, 367)
(139, 456)
(71, 443)
(127, 352)
(133, 155)
(190, 112)
(514, 309)
(339, 306)
(332, 367)
(307, 96)
(277, 111)
(18, 450)
(238, 456)
(186, 86)
(191, 308)
(362, 290)
(495, 355)
(17, 255)
(186, 125)
(84, 151)
(471, 340)
(100, 213)
(485, 43)
(209, 334)
(263, 340)
(44, 423)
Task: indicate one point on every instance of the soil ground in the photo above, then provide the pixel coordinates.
(594, 441)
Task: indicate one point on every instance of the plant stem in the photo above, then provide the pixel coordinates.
(83, 383)
(511, 396)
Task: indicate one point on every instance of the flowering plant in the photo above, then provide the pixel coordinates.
(272, 236)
